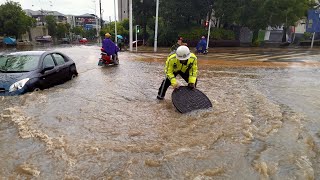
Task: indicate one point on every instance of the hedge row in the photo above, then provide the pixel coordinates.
(215, 34)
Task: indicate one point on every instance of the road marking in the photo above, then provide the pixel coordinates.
(288, 55)
(306, 56)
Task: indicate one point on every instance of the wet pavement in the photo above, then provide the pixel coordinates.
(107, 123)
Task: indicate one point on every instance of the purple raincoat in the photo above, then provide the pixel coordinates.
(109, 47)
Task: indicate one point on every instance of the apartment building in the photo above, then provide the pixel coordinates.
(40, 15)
(87, 21)
(123, 9)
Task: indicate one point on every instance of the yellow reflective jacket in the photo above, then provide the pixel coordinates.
(174, 65)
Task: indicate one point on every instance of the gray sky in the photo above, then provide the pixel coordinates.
(74, 7)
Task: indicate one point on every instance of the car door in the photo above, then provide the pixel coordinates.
(50, 77)
(62, 66)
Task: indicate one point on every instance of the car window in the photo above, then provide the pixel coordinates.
(2, 61)
(48, 61)
(18, 63)
(59, 59)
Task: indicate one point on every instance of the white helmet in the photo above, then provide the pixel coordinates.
(183, 53)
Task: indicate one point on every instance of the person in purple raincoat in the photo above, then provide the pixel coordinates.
(110, 47)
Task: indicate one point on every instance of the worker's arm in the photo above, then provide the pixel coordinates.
(193, 72)
(169, 70)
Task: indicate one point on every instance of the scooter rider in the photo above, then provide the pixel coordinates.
(109, 47)
(184, 63)
(202, 45)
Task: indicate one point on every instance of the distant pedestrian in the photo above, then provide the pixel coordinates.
(202, 45)
(179, 43)
(120, 43)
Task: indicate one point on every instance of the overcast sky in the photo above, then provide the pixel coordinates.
(74, 7)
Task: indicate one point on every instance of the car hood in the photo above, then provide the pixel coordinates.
(7, 79)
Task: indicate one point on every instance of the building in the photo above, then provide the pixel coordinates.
(301, 27)
(87, 21)
(71, 20)
(293, 32)
(123, 9)
(41, 14)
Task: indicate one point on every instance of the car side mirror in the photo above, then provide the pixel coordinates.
(47, 68)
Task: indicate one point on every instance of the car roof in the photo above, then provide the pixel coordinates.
(30, 53)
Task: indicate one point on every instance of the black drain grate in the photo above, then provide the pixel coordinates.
(187, 100)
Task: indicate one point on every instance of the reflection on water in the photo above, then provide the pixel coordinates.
(107, 124)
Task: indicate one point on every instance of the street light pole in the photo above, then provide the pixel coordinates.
(115, 22)
(96, 20)
(314, 33)
(136, 38)
(209, 28)
(130, 25)
(101, 21)
(156, 28)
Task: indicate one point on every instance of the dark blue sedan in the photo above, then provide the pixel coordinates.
(28, 71)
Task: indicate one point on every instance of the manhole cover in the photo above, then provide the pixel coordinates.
(187, 100)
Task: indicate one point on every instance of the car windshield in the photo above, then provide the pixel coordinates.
(18, 63)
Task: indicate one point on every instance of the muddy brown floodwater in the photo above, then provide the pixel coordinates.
(107, 123)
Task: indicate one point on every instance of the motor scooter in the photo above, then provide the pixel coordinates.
(106, 60)
(200, 51)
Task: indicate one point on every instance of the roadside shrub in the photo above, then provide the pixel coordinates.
(168, 36)
(307, 36)
(194, 33)
(222, 34)
(256, 43)
(216, 34)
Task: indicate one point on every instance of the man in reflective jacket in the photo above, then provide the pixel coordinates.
(184, 63)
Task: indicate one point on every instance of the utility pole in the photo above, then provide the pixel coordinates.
(115, 23)
(209, 28)
(313, 35)
(101, 21)
(136, 38)
(96, 20)
(156, 28)
(130, 26)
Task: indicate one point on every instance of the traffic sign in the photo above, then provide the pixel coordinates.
(313, 21)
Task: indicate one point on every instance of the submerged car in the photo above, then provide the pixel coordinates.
(83, 40)
(140, 43)
(28, 71)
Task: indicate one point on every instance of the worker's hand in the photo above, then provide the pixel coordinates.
(191, 85)
(175, 86)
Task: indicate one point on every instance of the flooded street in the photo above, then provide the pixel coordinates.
(108, 124)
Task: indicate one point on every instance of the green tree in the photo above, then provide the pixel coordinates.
(143, 10)
(182, 15)
(51, 25)
(13, 20)
(167, 35)
(77, 30)
(286, 12)
(259, 14)
(90, 34)
(120, 29)
(62, 30)
(125, 24)
(68, 26)
(176, 15)
(254, 16)
(228, 11)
